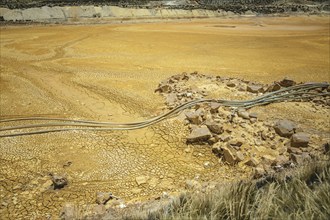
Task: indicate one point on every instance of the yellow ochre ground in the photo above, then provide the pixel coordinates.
(109, 72)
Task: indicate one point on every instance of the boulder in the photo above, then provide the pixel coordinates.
(286, 82)
(199, 134)
(273, 87)
(243, 114)
(229, 155)
(255, 88)
(214, 107)
(230, 84)
(194, 117)
(300, 139)
(285, 128)
(214, 127)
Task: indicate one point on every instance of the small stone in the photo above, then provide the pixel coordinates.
(286, 82)
(294, 150)
(192, 184)
(296, 158)
(207, 164)
(141, 180)
(199, 134)
(102, 198)
(259, 172)
(300, 139)
(280, 160)
(284, 128)
(240, 156)
(229, 155)
(214, 127)
(224, 137)
(268, 159)
(253, 115)
(281, 148)
(273, 87)
(59, 181)
(255, 88)
(253, 162)
(212, 140)
(243, 114)
(236, 142)
(216, 149)
(164, 88)
(241, 87)
(194, 117)
(214, 107)
(230, 84)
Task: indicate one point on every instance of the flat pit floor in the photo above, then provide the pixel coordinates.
(109, 72)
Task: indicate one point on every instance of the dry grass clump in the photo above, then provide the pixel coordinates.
(305, 195)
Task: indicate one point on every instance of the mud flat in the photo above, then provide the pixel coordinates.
(110, 73)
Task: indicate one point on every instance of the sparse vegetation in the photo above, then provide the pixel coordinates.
(306, 195)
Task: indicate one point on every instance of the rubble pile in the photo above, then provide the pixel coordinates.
(237, 135)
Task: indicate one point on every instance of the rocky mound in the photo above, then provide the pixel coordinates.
(236, 135)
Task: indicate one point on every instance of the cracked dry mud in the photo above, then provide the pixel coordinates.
(109, 73)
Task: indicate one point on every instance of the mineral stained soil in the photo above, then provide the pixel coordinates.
(109, 72)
